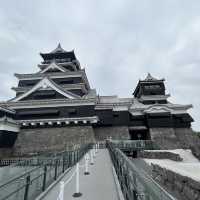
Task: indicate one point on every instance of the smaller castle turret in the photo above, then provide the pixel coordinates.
(151, 91)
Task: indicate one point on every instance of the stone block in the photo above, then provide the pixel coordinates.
(194, 184)
(188, 192)
(170, 176)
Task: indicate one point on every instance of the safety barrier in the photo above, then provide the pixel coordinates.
(42, 159)
(31, 183)
(131, 145)
(89, 157)
(135, 183)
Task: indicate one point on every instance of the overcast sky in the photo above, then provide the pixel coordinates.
(117, 41)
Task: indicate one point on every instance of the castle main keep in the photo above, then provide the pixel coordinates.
(56, 107)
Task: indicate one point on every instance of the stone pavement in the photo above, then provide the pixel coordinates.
(99, 185)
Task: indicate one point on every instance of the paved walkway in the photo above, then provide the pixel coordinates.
(99, 185)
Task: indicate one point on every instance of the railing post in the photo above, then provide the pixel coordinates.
(91, 157)
(44, 178)
(77, 156)
(95, 148)
(28, 180)
(74, 156)
(63, 168)
(74, 159)
(86, 164)
(77, 193)
(61, 194)
(56, 169)
(69, 159)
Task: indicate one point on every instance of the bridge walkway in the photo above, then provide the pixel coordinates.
(100, 184)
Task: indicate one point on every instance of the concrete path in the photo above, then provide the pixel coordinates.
(99, 185)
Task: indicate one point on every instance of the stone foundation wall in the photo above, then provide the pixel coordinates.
(165, 138)
(174, 138)
(31, 141)
(189, 140)
(116, 132)
(184, 188)
(38, 140)
(6, 152)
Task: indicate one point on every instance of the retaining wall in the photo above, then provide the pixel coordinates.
(159, 155)
(31, 141)
(183, 187)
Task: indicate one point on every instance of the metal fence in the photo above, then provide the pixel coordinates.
(135, 183)
(133, 144)
(42, 158)
(29, 185)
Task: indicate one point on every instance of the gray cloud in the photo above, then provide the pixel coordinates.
(117, 42)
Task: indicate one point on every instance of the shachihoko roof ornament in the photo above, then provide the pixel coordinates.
(58, 49)
(150, 78)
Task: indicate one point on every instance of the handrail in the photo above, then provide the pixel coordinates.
(135, 183)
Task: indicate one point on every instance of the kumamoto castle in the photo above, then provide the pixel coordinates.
(56, 111)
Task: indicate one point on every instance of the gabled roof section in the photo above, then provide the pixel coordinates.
(58, 49)
(44, 83)
(53, 65)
